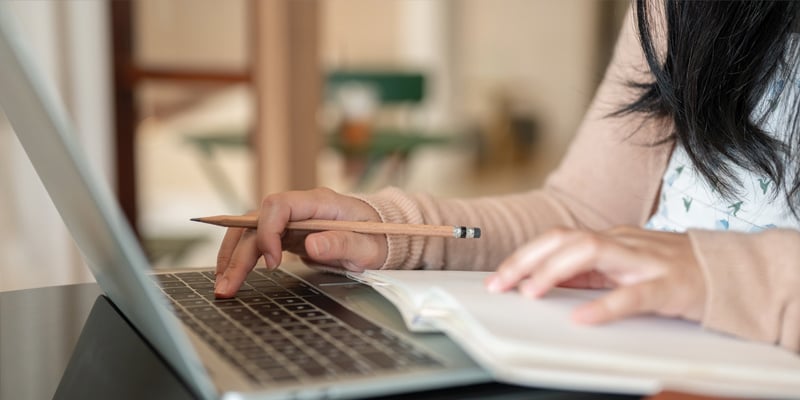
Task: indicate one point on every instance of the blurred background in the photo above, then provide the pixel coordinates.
(200, 107)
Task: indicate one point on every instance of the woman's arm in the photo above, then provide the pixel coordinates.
(752, 283)
(610, 176)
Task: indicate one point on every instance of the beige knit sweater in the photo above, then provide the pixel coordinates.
(610, 177)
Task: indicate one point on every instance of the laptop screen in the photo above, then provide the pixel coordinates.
(86, 203)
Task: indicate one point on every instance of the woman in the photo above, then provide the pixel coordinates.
(680, 190)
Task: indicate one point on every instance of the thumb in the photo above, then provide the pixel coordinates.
(349, 250)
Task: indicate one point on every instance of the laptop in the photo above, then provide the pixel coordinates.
(293, 333)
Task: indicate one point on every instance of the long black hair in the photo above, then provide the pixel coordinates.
(719, 61)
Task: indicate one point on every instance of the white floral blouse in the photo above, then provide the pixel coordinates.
(688, 201)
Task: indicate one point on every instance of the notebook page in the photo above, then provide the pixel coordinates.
(533, 334)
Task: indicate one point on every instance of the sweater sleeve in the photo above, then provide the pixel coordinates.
(752, 283)
(610, 176)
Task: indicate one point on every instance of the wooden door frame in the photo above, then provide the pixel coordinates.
(285, 72)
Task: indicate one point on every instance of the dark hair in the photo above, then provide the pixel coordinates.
(720, 58)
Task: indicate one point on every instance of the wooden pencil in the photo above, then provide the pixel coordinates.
(251, 221)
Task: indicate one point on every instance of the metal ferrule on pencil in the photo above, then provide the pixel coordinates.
(463, 232)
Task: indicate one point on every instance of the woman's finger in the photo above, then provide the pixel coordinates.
(523, 262)
(350, 250)
(589, 280)
(294, 241)
(277, 210)
(574, 258)
(242, 261)
(229, 242)
(623, 302)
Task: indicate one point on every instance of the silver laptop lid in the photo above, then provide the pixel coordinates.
(86, 205)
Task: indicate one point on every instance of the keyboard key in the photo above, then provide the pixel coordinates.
(343, 313)
(193, 302)
(279, 316)
(299, 307)
(164, 277)
(280, 276)
(326, 321)
(255, 300)
(279, 294)
(209, 318)
(171, 284)
(379, 359)
(311, 314)
(290, 301)
(202, 286)
(297, 329)
(254, 275)
(277, 341)
(256, 323)
(184, 296)
(348, 367)
(262, 308)
(266, 330)
(247, 316)
(225, 329)
(178, 290)
(273, 371)
(262, 283)
(337, 331)
(209, 274)
(303, 292)
(313, 369)
(225, 303)
(291, 352)
(193, 277)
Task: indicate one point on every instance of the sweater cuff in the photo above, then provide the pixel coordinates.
(742, 297)
(395, 206)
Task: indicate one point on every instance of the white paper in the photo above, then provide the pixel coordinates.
(535, 342)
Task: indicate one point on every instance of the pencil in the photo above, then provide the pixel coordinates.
(251, 221)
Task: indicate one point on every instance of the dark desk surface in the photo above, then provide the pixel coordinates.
(39, 329)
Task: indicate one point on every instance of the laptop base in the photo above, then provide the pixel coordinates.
(111, 360)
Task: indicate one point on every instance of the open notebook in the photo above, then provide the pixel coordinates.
(535, 342)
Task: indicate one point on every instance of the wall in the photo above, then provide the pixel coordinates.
(187, 33)
(70, 42)
(541, 53)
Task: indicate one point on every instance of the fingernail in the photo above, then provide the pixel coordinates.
(532, 291)
(584, 315)
(270, 260)
(494, 285)
(321, 245)
(222, 286)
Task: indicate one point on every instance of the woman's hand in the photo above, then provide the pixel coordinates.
(241, 248)
(653, 272)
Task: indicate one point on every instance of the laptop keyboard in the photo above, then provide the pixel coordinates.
(280, 329)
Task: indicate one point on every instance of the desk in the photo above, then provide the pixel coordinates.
(39, 329)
